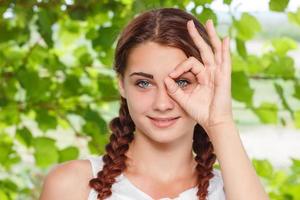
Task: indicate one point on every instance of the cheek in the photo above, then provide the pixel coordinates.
(139, 102)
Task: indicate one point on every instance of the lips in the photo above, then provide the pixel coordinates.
(163, 122)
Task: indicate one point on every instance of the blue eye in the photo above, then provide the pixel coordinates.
(142, 83)
(183, 83)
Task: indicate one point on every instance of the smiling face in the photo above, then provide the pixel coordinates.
(146, 94)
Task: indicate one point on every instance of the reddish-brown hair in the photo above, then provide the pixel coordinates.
(165, 26)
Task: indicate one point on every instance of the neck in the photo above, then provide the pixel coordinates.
(163, 162)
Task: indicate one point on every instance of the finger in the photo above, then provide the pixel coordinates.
(215, 41)
(175, 91)
(191, 64)
(204, 49)
(226, 59)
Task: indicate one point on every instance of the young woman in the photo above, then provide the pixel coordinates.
(175, 120)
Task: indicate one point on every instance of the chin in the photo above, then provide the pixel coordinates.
(166, 136)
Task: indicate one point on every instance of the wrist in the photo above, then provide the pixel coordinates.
(220, 124)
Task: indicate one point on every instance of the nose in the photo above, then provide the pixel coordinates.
(163, 101)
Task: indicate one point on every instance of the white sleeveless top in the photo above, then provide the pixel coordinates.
(123, 189)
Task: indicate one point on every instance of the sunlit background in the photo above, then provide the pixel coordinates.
(58, 91)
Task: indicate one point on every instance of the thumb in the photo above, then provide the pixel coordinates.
(174, 90)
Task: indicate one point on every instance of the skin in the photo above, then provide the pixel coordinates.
(205, 100)
(165, 147)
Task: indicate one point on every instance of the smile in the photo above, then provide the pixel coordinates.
(163, 122)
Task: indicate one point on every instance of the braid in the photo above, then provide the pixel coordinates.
(205, 158)
(122, 128)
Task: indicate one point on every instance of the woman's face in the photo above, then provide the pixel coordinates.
(146, 94)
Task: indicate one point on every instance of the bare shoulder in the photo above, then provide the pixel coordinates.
(68, 180)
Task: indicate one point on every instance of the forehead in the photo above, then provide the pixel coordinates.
(154, 58)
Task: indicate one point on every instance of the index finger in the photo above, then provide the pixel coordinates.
(191, 64)
(205, 50)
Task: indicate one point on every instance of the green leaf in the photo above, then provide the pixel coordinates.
(36, 87)
(283, 45)
(46, 152)
(78, 13)
(278, 5)
(54, 65)
(37, 56)
(107, 88)
(100, 126)
(127, 2)
(241, 90)
(24, 136)
(10, 114)
(98, 146)
(267, 113)
(238, 63)
(97, 129)
(83, 56)
(71, 86)
(228, 2)
(70, 32)
(8, 185)
(6, 148)
(8, 189)
(46, 120)
(91, 34)
(206, 14)
(297, 90)
(263, 168)
(28, 79)
(106, 37)
(8, 155)
(69, 153)
(246, 27)
(202, 2)
(241, 48)
(279, 178)
(282, 96)
(294, 17)
(295, 167)
(256, 65)
(9, 88)
(46, 19)
(107, 57)
(280, 66)
(297, 118)
(17, 34)
(3, 195)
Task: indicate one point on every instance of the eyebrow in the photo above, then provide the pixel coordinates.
(142, 74)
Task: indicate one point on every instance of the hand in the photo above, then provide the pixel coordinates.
(209, 103)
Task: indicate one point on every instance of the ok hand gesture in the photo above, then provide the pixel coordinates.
(210, 101)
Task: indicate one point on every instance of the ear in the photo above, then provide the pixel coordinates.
(121, 86)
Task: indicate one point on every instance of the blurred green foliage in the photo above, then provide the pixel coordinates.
(56, 66)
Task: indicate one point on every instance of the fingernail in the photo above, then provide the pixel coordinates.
(171, 87)
(210, 22)
(228, 42)
(192, 21)
(227, 39)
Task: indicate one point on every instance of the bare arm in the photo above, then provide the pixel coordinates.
(239, 176)
(210, 104)
(68, 181)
